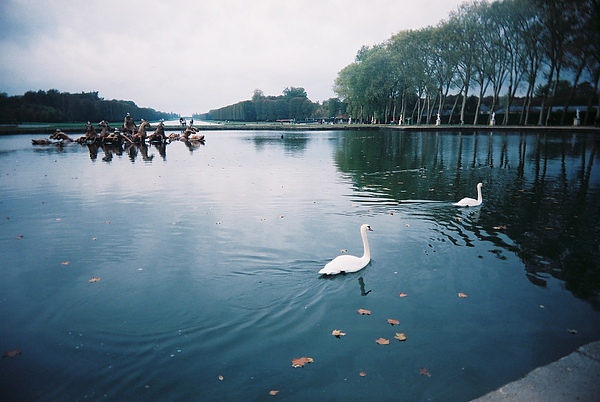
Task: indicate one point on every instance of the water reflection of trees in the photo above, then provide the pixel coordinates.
(292, 142)
(543, 187)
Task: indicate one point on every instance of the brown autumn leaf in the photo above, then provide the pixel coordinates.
(500, 227)
(393, 322)
(362, 311)
(400, 336)
(94, 279)
(401, 294)
(274, 392)
(383, 341)
(462, 295)
(300, 362)
(337, 333)
(424, 372)
(362, 374)
(65, 263)
(12, 353)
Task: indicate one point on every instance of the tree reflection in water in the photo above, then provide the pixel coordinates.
(542, 190)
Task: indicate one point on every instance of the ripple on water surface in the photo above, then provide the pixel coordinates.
(208, 262)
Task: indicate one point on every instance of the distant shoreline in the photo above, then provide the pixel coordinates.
(72, 128)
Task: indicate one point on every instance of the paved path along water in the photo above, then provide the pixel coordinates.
(575, 377)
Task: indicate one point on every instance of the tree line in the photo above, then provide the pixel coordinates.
(293, 104)
(59, 107)
(530, 58)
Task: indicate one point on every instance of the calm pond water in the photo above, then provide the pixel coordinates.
(208, 260)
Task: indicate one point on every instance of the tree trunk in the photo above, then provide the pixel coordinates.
(551, 104)
(464, 101)
(508, 106)
(478, 104)
(550, 76)
(527, 106)
(454, 107)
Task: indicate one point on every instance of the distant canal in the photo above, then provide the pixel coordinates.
(190, 273)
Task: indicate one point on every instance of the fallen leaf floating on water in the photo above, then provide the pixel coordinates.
(94, 279)
(383, 341)
(500, 227)
(572, 331)
(362, 311)
(362, 374)
(337, 333)
(65, 263)
(274, 392)
(402, 294)
(221, 378)
(19, 237)
(393, 322)
(424, 372)
(301, 361)
(462, 295)
(12, 353)
(400, 336)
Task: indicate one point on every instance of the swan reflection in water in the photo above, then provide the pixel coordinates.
(361, 282)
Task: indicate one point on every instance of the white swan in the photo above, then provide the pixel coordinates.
(349, 263)
(470, 202)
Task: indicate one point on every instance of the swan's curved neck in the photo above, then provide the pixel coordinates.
(367, 251)
(479, 196)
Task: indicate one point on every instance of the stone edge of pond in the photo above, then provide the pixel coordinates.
(68, 128)
(574, 377)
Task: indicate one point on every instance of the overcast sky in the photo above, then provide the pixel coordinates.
(187, 56)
